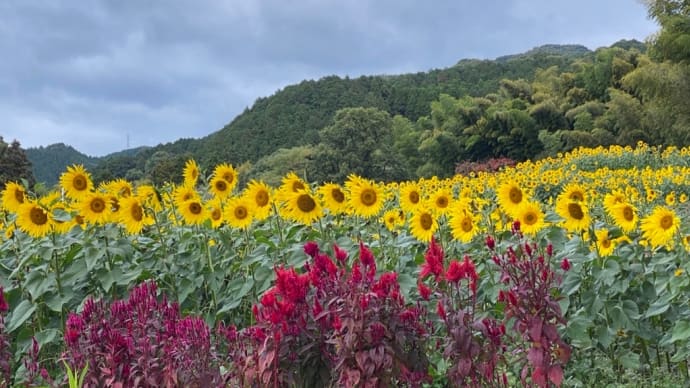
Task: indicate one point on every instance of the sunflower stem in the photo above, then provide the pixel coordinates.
(58, 280)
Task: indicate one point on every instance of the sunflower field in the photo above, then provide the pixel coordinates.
(567, 271)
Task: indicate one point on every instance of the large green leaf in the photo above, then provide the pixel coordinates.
(681, 331)
(20, 314)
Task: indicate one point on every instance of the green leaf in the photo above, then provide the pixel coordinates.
(630, 360)
(681, 331)
(578, 331)
(571, 283)
(659, 306)
(20, 314)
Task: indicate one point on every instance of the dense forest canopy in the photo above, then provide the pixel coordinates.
(548, 100)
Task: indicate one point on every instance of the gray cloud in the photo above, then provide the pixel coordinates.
(88, 74)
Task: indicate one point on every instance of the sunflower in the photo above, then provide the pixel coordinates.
(463, 223)
(333, 197)
(410, 197)
(575, 214)
(215, 212)
(604, 244)
(13, 196)
(291, 184)
(510, 197)
(613, 199)
(228, 173)
(238, 212)
(150, 197)
(184, 193)
(192, 211)
(190, 173)
(624, 216)
(132, 215)
(118, 188)
(660, 227)
(34, 219)
(365, 197)
(302, 207)
(95, 208)
(670, 198)
(259, 195)
(423, 225)
(441, 201)
(574, 192)
(393, 219)
(219, 187)
(53, 204)
(531, 218)
(76, 182)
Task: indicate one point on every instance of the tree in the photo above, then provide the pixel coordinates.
(359, 141)
(672, 43)
(14, 164)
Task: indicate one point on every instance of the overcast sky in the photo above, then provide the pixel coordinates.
(92, 73)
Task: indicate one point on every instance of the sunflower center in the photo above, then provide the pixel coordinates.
(261, 198)
(297, 186)
(368, 197)
(466, 225)
(530, 218)
(19, 195)
(79, 220)
(38, 216)
(425, 221)
(137, 212)
(442, 202)
(215, 214)
(221, 186)
(337, 195)
(666, 222)
(413, 197)
(605, 243)
(241, 212)
(126, 192)
(195, 208)
(79, 183)
(515, 195)
(628, 213)
(228, 177)
(306, 203)
(187, 196)
(97, 205)
(575, 211)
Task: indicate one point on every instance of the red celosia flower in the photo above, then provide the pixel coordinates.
(387, 283)
(292, 286)
(4, 307)
(441, 310)
(340, 254)
(424, 291)
(365, 256)
(565, 264)
(549, 250)
(454, 273)
(311, 248)
(516, 227)
(490, 242)
(433, 261)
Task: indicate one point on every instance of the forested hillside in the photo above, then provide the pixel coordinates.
(293, 116)
(49, 162)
